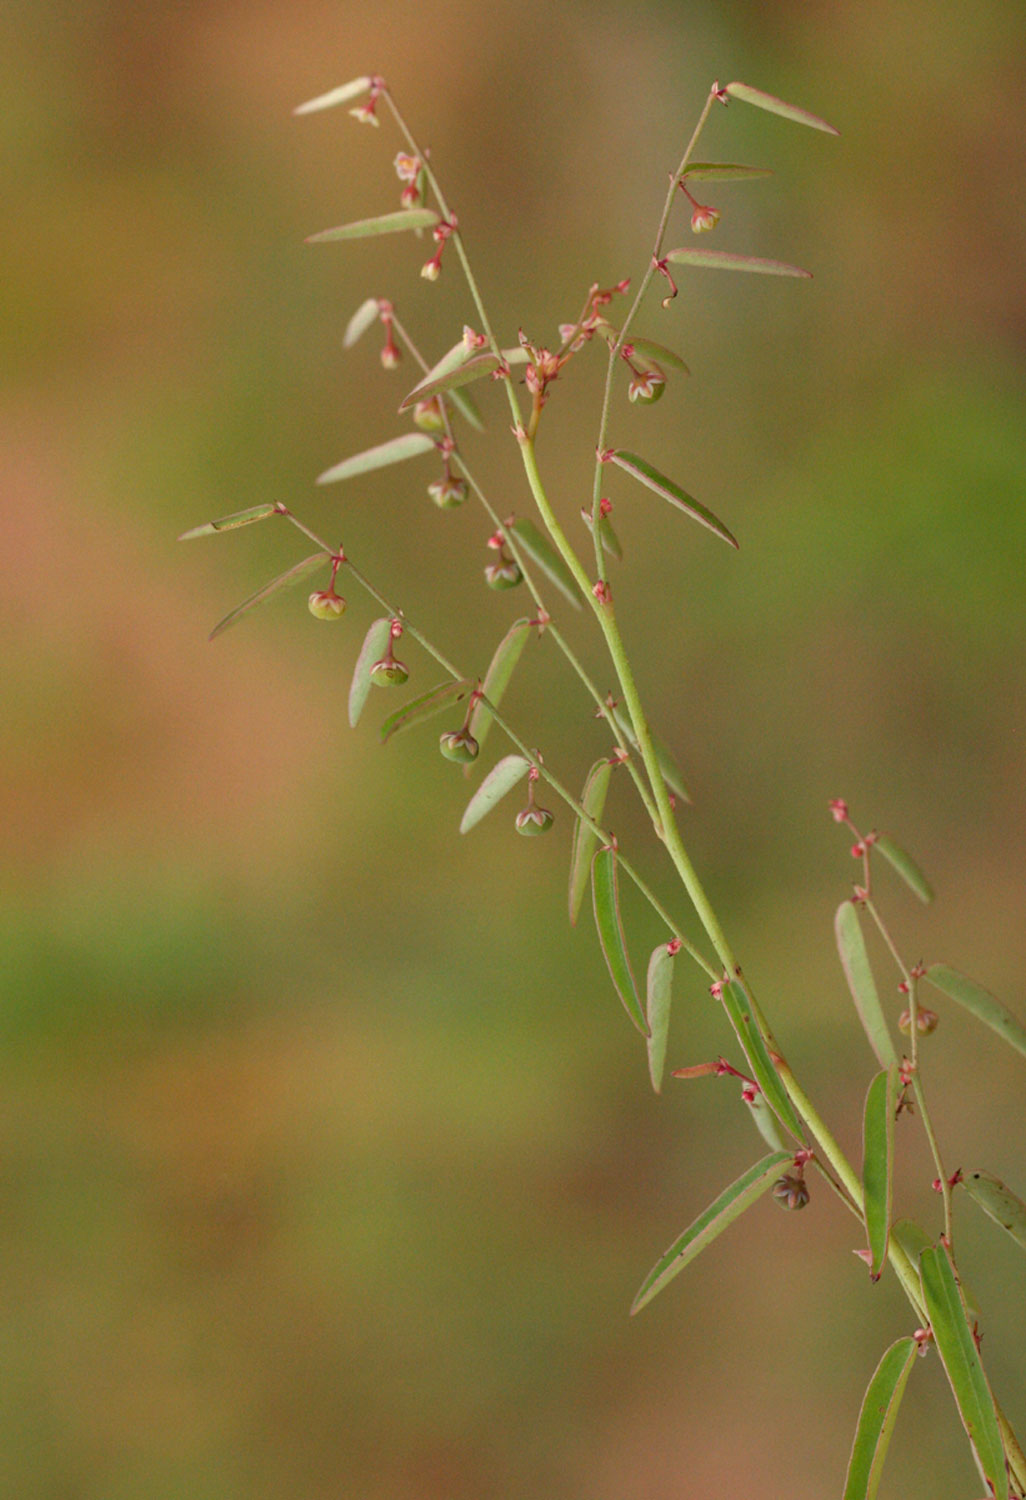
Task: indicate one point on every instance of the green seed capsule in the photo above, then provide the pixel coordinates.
(534, 820)
(388, 672)
(459, 745)
(503, 575)
(325, 604)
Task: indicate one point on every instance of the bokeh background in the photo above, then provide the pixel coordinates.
(328, 1160)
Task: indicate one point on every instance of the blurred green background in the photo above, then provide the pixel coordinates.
(328, 1160)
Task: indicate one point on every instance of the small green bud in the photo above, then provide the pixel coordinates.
(388, 672)
(534, 820)
(428, 415)
(325, 604)
(459, 745)
(503, 575)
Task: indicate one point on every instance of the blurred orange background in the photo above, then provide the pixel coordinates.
(329, 1163)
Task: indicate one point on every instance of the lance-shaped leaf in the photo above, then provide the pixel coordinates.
(341, 95)
(593, 800)
(960, 1357)
(723, 171)
(606, 896)
(729, 1206)
(424, 707)
(749, 1034)
(906, 867)
(999, 1202)
(408, 445)
(658, 996)
(502, 778)
(497, 678)
(465, 373)
(648, 475)
(913, 1239)
(232, 522)
(544, 555)
(776, 106)
(851, 947)
(295, 574)
(646, 349)
(876, 1420)
(726, 260)
(765, 1121)
(459, 367)
(366, 314)
(671, 771)
(607, 536)
(373, 648)
(878, 1164)
(983, 1005)
(362, 229)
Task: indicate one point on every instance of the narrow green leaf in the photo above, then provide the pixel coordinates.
(285, 580)
(606, 897)
(748, 1033)
(914, 1239)
(906, 867)
(878, 1163)
(851, 946)
(340, 95)
(671, 771)
(765, 1121)
(475, 368)
(372, 650)
(648, 475)
(998, 1202)
(457, 367)
(729, 1206)
(984, 1006)
(502, 778)
(725, 260)
(593, 800)
(408, 445)
(362, 229)
(658, 996)
(748, 95)
(961, 1360)
(647, 348)
(424, 707)
(724, 171)
(544, 555)
(230, 523)
(876, 1420)
(464, 404)
(607, 536)
(497, 678)
(363, 317)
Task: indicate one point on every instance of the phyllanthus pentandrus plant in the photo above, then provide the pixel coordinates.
(535, 553)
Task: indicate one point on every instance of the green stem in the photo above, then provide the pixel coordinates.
(557, 786)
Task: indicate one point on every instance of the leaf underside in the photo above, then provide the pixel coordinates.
(658, 997)
(608, 924)
(725, 260)
(961, 1360)
(502, 778)
(980, 1003)
(851, 948)
(231, 523)
(905, 866)
(775, 106)
(648, 475)
(748, 1032)
(497, 678)
(731, 1203)
(285, 580)
(362, 229)
(425, 707)
(877, 1163)
(373, 648)
(593, 800)
(998, 1202)
(877, 1418)
(341, 95)
(394, 451)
